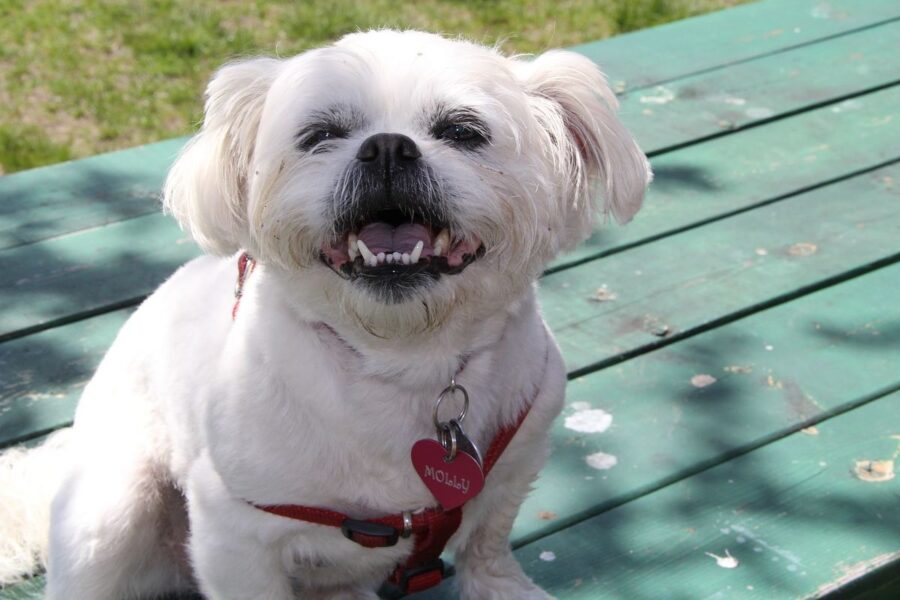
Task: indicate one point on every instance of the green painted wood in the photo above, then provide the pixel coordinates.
(741, 170)
(33, 589)
(765, 375)
(714, 102)
(678, 49)
(795, 516)
(42, 375)
(86, 271)
(51, 201)
(688, 281)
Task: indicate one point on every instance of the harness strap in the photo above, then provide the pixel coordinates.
(245, 266)
(432, 528)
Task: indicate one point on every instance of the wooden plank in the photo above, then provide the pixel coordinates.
(802, 518)
(42, 375)
(50, 201)
(678, 49)
(638, 299)
(723, 100)
(87, 271)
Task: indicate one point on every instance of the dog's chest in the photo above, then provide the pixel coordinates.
(316, 436)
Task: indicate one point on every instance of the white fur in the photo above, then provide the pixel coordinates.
(191, 415)
(28, 481)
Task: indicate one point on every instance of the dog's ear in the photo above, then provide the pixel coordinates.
(573, 103)
(207, 186)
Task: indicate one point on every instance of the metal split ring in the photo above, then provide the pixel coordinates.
(447, 433)
(450, 389)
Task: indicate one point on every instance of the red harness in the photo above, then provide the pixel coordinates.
(432, 527)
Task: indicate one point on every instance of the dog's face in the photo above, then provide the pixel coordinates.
(401, 173)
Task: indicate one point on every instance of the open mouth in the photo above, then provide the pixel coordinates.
(393, 246)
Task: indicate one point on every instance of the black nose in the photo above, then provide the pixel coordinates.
(388, 147)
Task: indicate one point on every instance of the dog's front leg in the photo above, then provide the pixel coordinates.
(485, 564)
(232, 556)
(486, 568)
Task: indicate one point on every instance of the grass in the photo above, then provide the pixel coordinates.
(79, 77)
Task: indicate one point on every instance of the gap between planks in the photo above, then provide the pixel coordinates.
(774, 118)
(736, 315)
(757, 56)
(718, 217)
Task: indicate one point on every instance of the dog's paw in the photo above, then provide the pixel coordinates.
(498, 580)
(501, 589)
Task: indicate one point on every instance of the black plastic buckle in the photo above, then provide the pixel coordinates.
(357, 531)
(393, 590)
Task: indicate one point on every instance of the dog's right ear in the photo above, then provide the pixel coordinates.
(207, 186)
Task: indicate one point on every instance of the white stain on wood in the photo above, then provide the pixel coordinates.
(547, 556)
(785, 554)
(589, 421)
(759, 112)
(601, 461)
(661, 95)
(846, 105)
(703, 380)
(726, 562)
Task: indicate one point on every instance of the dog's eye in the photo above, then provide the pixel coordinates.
(312, 138)
(458, 132)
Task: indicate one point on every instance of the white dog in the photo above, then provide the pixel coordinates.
(399, 193)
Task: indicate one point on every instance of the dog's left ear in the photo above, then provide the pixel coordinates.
(573, 103)
(207, 186)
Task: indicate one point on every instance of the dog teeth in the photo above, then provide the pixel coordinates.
(356, 247)
(416, 253)
(442, 242)
(367, 255)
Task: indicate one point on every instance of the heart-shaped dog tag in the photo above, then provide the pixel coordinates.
(451, 483)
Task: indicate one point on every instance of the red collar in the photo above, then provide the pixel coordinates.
(432, 527)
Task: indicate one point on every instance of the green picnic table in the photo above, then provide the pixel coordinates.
(733, 413)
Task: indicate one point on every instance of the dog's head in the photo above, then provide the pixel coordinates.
(402, 175)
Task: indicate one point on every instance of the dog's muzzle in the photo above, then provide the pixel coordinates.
(393, 233)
